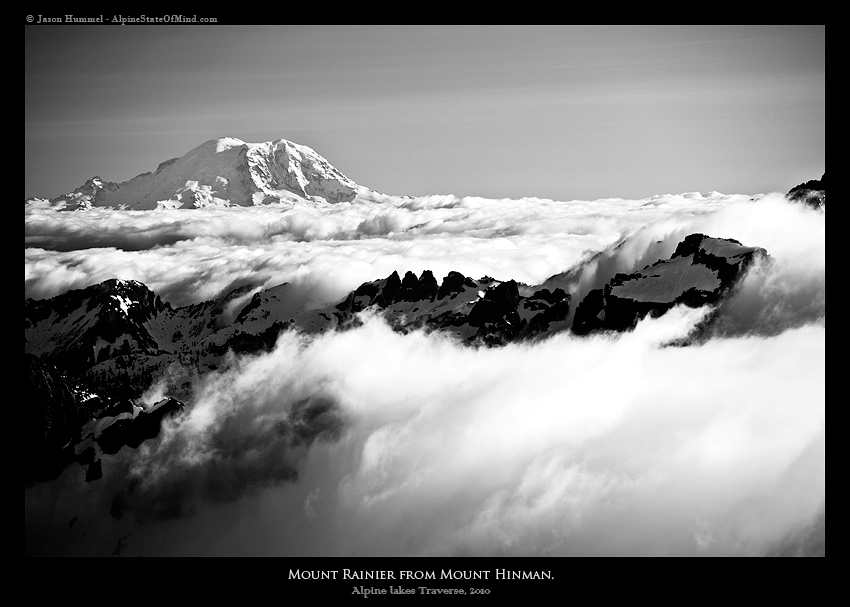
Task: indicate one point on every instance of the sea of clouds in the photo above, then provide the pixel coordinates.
(369, 442)
(188, 255)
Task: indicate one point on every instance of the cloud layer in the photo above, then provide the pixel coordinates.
(189, 256)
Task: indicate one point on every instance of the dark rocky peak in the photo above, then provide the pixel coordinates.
(382, 293)
(124, 301)
(546, 311)
(590, 313)
(498, 304)
(359, 299)
(453, 284)
(504, 292)
(716, 253)
(417, 289)
(486, 312)
(428, 286)
(129, 299)
(497, 315)
(550, 297)
(376, 292)
(689, 246)
(389, 290)
(83, 327)
(120, 286)
(409, 288)
(812, 184)
(812, 192)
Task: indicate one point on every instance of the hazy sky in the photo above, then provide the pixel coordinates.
(549, 111)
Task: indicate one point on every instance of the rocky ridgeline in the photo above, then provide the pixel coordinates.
(485, 312)
(117, 337)
(83, 327)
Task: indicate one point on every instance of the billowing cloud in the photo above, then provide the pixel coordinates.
(372, 442)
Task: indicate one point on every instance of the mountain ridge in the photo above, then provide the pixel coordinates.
(122, 327)
(221, 172)
(96, 351)
(227, 171)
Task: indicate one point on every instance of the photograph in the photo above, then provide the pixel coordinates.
(469, 294)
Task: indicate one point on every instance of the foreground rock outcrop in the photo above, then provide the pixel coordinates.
(54, 415)
(65, 424)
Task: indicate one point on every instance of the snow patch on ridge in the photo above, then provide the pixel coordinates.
(124, 303)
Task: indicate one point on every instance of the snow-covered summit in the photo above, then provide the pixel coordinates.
(223, 172)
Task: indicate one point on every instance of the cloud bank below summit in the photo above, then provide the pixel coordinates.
(188, 256)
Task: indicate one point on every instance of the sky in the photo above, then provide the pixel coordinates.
(558, 112)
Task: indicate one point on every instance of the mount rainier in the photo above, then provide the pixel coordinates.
(220, 173)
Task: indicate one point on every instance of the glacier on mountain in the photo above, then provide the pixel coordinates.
(222, 172)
